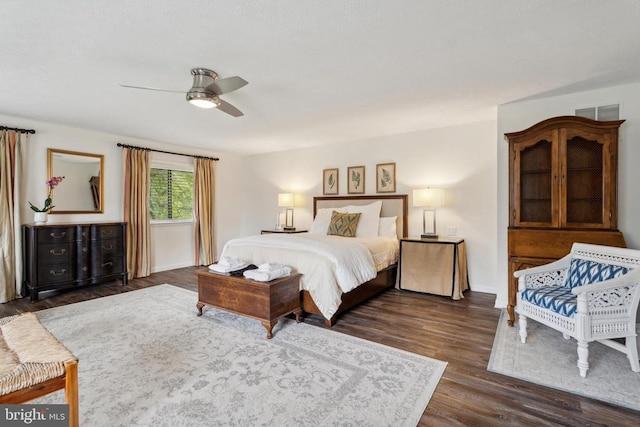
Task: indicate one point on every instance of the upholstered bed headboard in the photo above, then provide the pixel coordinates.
(392, 205)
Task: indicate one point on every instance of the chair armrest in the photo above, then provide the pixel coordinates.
(551, 274)
(620, 291)
(561, 264)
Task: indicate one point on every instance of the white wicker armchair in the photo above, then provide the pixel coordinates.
(592, 294)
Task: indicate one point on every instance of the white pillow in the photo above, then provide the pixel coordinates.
(369, 218)
(321, 222)
(387, 227)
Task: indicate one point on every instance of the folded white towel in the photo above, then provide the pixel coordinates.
(267, 276)
(270, 266)
(228, 267)
(231, 262)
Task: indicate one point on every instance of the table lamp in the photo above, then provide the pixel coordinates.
(429, 199)
(286, 200)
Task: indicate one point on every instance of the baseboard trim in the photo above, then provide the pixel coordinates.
(160, 268)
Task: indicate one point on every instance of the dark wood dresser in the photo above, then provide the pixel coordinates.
(60, 256)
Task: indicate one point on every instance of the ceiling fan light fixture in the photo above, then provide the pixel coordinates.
(203, 100)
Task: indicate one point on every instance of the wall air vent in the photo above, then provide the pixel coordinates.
(603, 112)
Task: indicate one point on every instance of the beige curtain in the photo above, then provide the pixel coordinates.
(203, 203)
(136, 212)
(10, 236)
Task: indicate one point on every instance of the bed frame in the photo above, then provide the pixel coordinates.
(392, 205)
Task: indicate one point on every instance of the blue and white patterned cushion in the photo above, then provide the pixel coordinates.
(556, 298)
(583, 272)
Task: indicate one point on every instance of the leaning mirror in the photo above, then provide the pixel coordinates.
(82, 188)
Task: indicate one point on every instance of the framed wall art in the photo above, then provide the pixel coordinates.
(355, 180)
(330, 181)
(386, 178)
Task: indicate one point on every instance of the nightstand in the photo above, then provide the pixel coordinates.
(283, 231)
(435, 266)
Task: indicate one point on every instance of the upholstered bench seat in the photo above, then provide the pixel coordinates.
(560, 299)
(34, 363)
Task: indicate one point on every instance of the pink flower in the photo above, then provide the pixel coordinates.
(51, 183)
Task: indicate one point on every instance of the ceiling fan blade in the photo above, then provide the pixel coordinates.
(227, 85)
(229, 109)
(153, 88)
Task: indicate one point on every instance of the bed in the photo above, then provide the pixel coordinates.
(325, 291)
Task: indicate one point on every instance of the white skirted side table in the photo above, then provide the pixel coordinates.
(434, 266)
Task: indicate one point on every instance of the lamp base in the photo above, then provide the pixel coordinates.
(428, 236)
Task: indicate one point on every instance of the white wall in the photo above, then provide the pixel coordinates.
(460, 159)
(172, 245)
(520, 115)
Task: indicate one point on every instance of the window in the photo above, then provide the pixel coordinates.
(171, 196)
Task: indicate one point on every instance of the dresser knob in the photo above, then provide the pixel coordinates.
(58, 236)
(61, 252)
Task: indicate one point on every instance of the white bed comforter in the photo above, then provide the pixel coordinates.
(330, 265)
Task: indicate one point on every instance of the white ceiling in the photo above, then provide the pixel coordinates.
(319, 71)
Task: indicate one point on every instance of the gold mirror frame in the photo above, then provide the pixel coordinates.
(58, 164)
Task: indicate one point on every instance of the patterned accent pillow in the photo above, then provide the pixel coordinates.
(343, 224)
(583, 272)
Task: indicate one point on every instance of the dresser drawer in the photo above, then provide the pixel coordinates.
(106, 232)
(107, 267)
(56, 235)
(57, 273)
(57, 253)
(106, 249)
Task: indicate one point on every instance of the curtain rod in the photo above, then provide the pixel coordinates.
(18, 129)
(167, 152)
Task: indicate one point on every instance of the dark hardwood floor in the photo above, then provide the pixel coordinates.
(458, 332)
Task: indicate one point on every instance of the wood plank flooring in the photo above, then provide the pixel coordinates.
(458, 332)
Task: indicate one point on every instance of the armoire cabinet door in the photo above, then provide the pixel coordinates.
(535, 174)
(587, 193)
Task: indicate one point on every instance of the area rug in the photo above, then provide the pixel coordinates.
(550, 360)
(146, 359)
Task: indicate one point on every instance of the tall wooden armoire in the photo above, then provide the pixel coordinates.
(562, 189)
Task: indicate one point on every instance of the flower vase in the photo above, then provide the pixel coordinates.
(40, 218)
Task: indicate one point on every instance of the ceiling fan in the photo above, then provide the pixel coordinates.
(206, 90)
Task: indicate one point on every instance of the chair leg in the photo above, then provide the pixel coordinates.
(632, 353)
(583, 358)
(522, 320)
(71, 392)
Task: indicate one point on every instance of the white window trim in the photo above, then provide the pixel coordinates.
(167, 222)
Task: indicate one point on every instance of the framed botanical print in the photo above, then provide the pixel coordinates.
(355, 180)
(386, 178)
(330, 181)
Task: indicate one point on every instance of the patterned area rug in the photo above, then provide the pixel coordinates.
(147, 359)
(550, 360)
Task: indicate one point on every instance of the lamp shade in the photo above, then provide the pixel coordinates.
(428, 197)
(285, 200)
